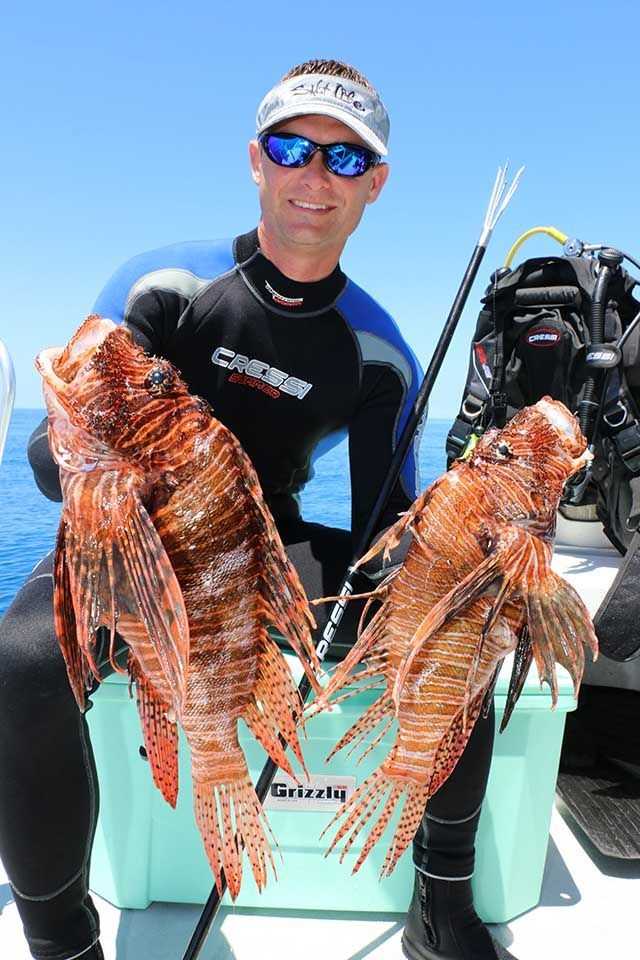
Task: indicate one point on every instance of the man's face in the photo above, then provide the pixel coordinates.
(337, 203)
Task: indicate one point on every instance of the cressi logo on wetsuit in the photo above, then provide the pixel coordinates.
(257, 373)
(210, 308)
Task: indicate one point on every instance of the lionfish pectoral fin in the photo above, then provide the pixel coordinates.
(473, 586)
(160, 734)
(118, 567)
(78, 668)
(383, 793)
(505, 587)
(560, 628)
(506, 563)
(521, 662)
(275, 710)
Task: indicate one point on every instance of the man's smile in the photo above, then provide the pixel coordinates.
(315, 207)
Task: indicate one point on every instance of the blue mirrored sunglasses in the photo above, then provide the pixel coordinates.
(343, 159)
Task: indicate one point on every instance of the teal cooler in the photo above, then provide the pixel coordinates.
(145, 851)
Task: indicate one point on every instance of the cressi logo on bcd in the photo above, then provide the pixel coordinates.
(543, 337)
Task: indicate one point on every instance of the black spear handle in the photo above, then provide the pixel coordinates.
(270, 768)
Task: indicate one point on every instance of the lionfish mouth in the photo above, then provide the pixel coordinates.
(567, 426)
(59, 365)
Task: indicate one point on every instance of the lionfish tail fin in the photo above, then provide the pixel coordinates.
(381, 792)
(160, 734)
(230, 818)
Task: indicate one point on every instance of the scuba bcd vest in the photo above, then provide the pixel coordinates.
(550, 327)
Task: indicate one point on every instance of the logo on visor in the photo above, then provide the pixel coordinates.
(329, 88)
(291, 302)
(543, 337)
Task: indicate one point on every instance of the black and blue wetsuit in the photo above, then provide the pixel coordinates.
(289, 367)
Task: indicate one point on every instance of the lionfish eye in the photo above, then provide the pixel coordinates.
(504, 450)
(159, 379)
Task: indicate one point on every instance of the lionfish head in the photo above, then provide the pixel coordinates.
(103, 381)
(543, 444)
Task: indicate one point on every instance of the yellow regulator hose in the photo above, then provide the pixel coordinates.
(550, 231)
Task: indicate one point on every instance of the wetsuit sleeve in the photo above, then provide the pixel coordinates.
(45, 469)
(150, 312)
(373, 433)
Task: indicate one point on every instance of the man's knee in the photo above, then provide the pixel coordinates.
(32, 670)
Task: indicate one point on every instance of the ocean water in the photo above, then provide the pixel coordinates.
(29, 521)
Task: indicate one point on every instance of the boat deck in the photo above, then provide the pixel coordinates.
(588, 909)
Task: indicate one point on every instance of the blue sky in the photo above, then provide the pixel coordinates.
(125, 127)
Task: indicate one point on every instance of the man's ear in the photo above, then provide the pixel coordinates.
(378, 180)
(255, 161)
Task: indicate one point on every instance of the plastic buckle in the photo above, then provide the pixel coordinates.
(500, 404)
(621, 411)
(467, 407)
(576, 487)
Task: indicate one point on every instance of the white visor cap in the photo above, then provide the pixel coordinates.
(360, 109)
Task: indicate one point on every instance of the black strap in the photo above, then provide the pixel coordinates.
(617, 622)
(634, 513)
(469, 417)
(620, 419)
(627, 442)
(458, 436)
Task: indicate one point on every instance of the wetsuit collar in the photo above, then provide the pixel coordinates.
(278, 292)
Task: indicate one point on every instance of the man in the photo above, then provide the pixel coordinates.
(290, 353)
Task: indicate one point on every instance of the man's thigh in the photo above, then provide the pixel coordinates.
(321, 556)
(30, 656)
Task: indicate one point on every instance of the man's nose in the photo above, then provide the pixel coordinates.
(315, 174)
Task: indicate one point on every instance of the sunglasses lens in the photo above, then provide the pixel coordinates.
(342, 159)
(347, 160)
(288, 151)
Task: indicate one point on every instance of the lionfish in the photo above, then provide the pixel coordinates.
(476, 584)
(166, 539)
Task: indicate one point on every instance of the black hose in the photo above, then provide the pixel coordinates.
(588, 405)
(630, 259)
